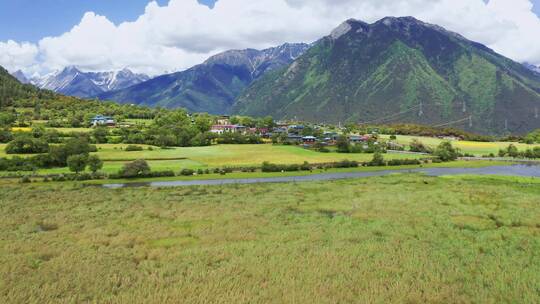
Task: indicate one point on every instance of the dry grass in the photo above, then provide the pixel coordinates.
(403, 238)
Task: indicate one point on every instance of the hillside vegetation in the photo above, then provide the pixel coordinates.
(400, 70)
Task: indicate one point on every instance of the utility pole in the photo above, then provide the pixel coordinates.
(506, 124)
(470, 121)
(536, 112)
(421, 112)
(464, 107)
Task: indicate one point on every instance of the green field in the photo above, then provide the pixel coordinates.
(394, 239)
(216, 156)
(471, 147)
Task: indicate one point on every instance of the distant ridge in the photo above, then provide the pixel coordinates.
(72, 81)
(211, 86)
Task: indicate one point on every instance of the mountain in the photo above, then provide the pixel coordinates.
(71, 81)
(211, 86)
(20, 76)
(11, 88)
(532, 67)
(400, 70)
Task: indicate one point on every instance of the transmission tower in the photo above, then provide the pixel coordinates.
(421, 111)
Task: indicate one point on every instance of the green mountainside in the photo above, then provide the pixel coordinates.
(11, 89)
(400, 70)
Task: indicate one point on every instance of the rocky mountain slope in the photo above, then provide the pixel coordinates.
(212, 86)
(400, 70)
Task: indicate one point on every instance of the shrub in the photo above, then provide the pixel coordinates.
(187, 172)
(166, 173)
(418, 146)
(403, 162)
(131, 148)
(446, 152)
(377, 161)
(25, 180)
(138, 168)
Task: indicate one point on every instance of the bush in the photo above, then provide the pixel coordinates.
(138, 168)
(187, 172)
(131, 148)
(346, 164)
(418, 146)
(446, 152)
(404, 162)
(25, 180)
(166, 173)
(377, 161)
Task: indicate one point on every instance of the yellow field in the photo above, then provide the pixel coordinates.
(472, 147)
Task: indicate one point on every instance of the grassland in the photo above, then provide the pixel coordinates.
(471, 147)
(394, 239)
(216, 156)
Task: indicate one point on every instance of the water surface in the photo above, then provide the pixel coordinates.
(510, 170)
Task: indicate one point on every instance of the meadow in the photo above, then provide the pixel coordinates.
(393, 239)
(470, 147)
(217, 156)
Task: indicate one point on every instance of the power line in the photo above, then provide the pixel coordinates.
(392, 115)
(468, 118)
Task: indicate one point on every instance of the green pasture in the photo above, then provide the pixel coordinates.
(115, 156)
(393, 239)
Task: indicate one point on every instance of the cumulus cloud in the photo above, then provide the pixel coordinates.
(184, 32)
(14, 56)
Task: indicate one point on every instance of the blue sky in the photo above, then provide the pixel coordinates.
(31, 20)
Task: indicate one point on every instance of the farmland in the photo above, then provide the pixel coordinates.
(470, 147)
(401, 238)
(215, 156)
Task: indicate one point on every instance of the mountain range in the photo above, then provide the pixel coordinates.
(400, 70)
(532, 67)
(211, 86)
(73, 82)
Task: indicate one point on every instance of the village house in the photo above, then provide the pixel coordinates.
(223, 120)
(309, 140)
(220, 129)
(100, 120)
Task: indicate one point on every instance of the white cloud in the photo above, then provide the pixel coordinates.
(184, 32)
(14, 56)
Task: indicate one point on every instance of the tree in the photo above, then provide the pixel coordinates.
(77, 163)
(343, 145)
(378, 160)
(26, 144)
(446, 152)
(94, 163)
(100, 135)
(138, 168)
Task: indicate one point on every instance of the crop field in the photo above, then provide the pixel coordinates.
(394, 239)
(216, 156)
(471, 147)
